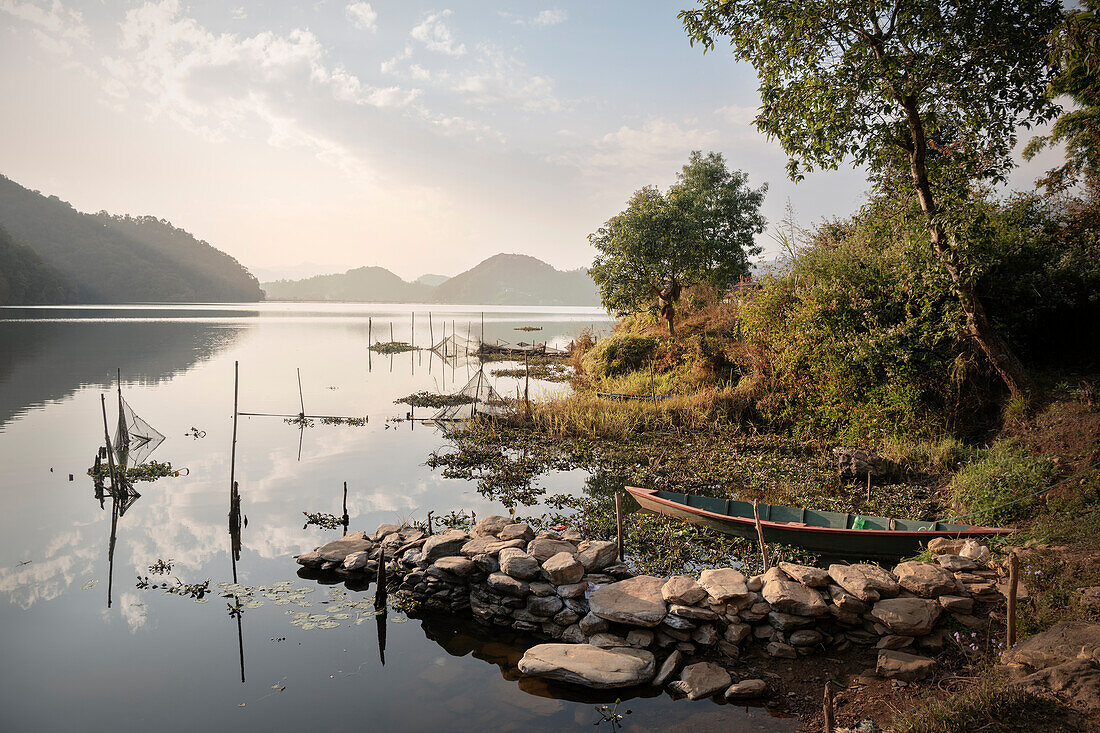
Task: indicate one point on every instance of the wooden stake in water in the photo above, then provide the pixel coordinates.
(370, 331)
(827, 709)
(526, 385)
(431, 332)
(619, 522)
(760, 534)
(1013, 582)
(233, 445)
(301, 399)
(346, 520)
(412, 330)
(380, 582)
(429, 524)
(391, 332)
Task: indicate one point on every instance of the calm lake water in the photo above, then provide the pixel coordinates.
(84, 648)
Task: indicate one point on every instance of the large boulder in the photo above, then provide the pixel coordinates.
(925, 579)
(908, 616)
(845, 601)
(563, 569)
(1065, 659)
(337, 550)
(518, 564)
(788, 596)
(543, 548)
(724, 584)
(806, 575)
(956, 563)
(588, 665)
(508, 585)
(443, 544)
(635, 601)
(681, 589)
(668, 668)
(598, 555)
(489, 545)
(490, 526)
(517, 531)
(311, 559)
(866, 582)
(459, 566)
(902, 666)
(703, 679)
(747, 689)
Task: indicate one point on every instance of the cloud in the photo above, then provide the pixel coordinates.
(654, 148)
(500, 77)
(544, 18)
(436, 36)
(55, 27)
(362, 15)
(737, 115)
(238, 14)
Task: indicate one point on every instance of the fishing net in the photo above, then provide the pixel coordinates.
(484, 400)
(135, 439)
(456, 346)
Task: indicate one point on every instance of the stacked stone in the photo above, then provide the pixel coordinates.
(574, 591)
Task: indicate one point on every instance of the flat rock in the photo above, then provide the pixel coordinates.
(695, 613)
(508, 585)
(682, 590)
(908, 616)
(490, 526)
(460, 566)
(542, 549)
(805, 637)
(955, 563)
(1065, 659)
(383, 531)
(736, 632)
(806, 575)
(605, 640)
(866, 582)
(746, 689)
(957, 604)
(544, 606)
(518, 564)
(893, 641)
(925, 579)
(357, 561)
(635, 601)
(724, 584)
(517, 531)
(782, 651)
(789, 622)
(945, 546)
(573, 590)
(563, 569)
(845, 601)
(669, 667)
(640, 638)
(588, 665)
(791, 597)
(703, 679)
(311, 559)
(489, 546)
(443, 544)
(593, 624)
(705, 635)
(597, 555)
(337, 550)
(902, 666)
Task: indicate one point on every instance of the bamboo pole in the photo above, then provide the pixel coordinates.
(412, 330)
(370, 331)
(431, 331)
(391, 332)
(301, 399)
(233, 445)
(345, 517)
(619, 522)
(1013, 582)
(380, 582)
(760, 534)
(526, 385)
(868, 484)
(827, 709)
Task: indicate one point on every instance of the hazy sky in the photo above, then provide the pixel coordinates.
(418, 137)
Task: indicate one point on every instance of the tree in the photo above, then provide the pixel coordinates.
(882, 80)
(699, 231)
(1075, 54)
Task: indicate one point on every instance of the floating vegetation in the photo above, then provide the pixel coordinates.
(150, 471)
(528, 328)
(456, 519)
(392, 347)
(190, 590)
(611, 715)
(549, 372)
(236, 610)
(355, 422)
(161, 567)
(431, 399)
(322, 520)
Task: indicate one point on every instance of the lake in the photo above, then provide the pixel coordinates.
(84, 647)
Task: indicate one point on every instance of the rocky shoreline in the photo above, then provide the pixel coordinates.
(607, 628)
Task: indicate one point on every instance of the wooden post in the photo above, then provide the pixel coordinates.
(868, 484)
(233, 445)
(110, 451)
(370, 331)
(760, 534)
(412, 330)
(619, 522)
(482, 326)
(827, 710)
(652, 386)
(526, 385)
(380, 582)
(429, 524)
(1013, 582)
(431, 332)
(301, 400)
(391, 332)
(345, 517)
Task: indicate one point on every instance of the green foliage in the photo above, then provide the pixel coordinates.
(1006, 473)
(150, 471)
(699, 231)
(431, 399)
(618, 354)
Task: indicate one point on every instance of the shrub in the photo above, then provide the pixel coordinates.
(1006, 472)
(619, 353)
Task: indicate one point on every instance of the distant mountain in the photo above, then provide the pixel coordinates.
(364, 284)
(500, 280)
(26, 280)
(510, 279)
(432, 280)
(120, 259)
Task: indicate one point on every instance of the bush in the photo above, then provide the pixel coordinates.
(619, 353)
(1006, 472)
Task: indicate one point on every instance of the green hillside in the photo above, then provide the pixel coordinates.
(120, 259)
(25, 279)
(363, 284)
(510, 279)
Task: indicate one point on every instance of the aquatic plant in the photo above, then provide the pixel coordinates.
(150, 471)
(392, 347)
(432, 399)
(161, 567)
(322, 520)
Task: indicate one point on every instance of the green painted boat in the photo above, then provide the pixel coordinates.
(825, 533)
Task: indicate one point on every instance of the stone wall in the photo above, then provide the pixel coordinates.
(574, 591)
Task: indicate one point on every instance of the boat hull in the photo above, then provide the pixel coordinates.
(831, 541)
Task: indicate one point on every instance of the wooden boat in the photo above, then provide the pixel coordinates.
(826, 533)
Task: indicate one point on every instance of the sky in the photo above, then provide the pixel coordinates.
(315, 137)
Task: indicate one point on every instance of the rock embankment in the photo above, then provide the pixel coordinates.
(610, 628)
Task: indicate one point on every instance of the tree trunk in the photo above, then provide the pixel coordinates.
(1000, 355)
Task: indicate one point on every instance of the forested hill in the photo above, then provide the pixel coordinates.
(100, 258)
(25, 279)
(504, 279)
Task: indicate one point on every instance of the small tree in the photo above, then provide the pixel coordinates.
(699, 231)
(878, 80)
